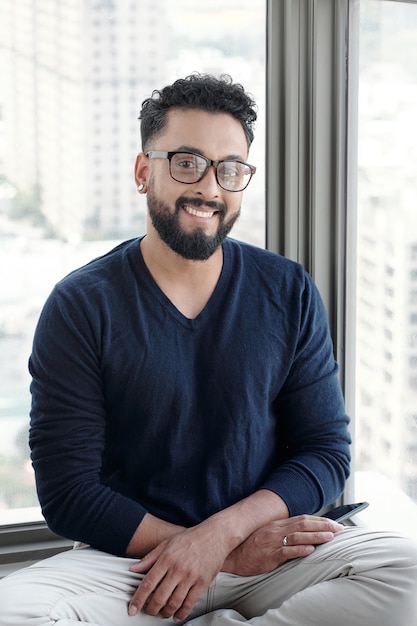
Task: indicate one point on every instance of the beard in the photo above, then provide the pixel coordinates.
(196, 245)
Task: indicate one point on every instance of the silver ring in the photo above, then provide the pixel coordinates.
(285, 541)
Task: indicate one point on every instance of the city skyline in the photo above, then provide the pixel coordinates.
(85, 71)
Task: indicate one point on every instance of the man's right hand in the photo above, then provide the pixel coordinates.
(179, 564)
(264, 550)
(178, 571)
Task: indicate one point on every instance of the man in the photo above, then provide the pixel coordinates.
(187, 420)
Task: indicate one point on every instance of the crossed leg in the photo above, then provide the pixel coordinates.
(361, 577)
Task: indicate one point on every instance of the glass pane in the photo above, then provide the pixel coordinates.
(73, 77)
(386, 347)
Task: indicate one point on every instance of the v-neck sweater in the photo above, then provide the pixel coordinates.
(136, 408)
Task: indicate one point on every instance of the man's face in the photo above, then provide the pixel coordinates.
(194, 219)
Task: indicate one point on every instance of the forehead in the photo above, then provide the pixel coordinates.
(216, 135)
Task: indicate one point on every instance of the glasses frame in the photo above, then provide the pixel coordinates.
(164, 154)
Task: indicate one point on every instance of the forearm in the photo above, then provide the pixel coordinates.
(234, 524)
(149, 534)
(240, 520)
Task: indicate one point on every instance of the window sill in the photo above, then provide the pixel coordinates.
(23, 544)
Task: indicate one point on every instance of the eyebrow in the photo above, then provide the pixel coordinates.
(229, 157)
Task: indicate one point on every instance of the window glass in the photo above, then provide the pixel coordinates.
(386, 320)
(73, 77)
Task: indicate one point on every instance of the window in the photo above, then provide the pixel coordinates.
(385, 466)
(50, 224)
(345, 209)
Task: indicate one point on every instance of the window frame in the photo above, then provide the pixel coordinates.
(311, 106)
(306, 148)
(306, 144)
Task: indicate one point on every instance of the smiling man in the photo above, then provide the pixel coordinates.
(187, 420)
(193, 199)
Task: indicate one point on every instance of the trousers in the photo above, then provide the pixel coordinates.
(361, 577)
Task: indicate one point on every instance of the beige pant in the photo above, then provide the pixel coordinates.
(360, 578)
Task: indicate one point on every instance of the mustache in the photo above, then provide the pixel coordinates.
(197, 202)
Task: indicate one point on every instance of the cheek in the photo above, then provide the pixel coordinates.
(165, 189)
(233, 207)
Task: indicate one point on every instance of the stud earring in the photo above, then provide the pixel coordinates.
(141, 187)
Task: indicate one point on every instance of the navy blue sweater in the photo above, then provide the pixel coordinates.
(136, 408)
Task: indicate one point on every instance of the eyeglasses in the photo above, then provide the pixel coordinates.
(189, 168)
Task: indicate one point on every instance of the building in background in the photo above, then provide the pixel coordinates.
(387, 348)
(386, 387)
(74, 76)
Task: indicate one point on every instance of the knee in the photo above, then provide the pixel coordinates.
(398, 567)
(387, 556)
(405, 553)
(405, 574)
(21, 600)
(390, 569)
(11, 602)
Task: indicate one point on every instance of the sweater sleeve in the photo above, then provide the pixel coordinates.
(313, 425)
(67, 433)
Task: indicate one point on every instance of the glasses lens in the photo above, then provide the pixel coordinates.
(187, 167)
(233, 175)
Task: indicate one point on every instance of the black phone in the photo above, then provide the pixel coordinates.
(340, 513)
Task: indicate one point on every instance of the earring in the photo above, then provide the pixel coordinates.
(141, 187)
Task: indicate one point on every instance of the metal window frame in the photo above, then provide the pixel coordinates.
(23, 544)
(306, 143)
(312, 49)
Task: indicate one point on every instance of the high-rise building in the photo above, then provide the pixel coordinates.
(73, 82)
(386, 381)
(386, 388)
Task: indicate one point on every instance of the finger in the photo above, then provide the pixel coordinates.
(330, 525)
(312, 523)
(144, 593)
(175, 599)
(188, 604)
(294, 552)
(146, 562)
(142, 566)
(308, 538)
(178, 600)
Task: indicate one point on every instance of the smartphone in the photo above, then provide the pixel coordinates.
(345, 511)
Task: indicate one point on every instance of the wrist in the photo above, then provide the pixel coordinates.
(236, 523)
(230, 563)
(149, 534)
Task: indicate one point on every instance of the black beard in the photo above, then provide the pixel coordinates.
(195, 246)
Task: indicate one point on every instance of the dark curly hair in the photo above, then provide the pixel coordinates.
(197, 91)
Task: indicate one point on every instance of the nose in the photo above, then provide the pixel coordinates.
(208, 185)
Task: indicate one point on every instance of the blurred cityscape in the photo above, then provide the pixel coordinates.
(386, 273)
(74, 75)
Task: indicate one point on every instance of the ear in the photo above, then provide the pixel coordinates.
(141, 169)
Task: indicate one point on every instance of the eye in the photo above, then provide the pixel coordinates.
(186, 163)
(233, 169)
(190, 162)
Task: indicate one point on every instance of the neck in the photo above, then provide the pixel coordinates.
(188, 284)
(160, 259)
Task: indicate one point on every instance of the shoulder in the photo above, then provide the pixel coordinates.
(94, 287)
(103, 272)
(266, 265)
(266, 275)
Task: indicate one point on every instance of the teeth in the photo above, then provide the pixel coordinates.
(193, 211)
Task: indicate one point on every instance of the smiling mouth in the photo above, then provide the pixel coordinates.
(192, 211)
